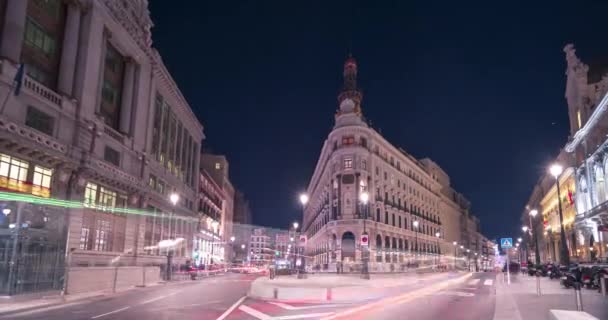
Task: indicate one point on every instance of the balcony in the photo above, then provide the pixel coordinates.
(41, 91)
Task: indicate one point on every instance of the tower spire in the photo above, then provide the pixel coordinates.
(350, 90)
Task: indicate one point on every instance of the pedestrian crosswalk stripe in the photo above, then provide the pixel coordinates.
(488, 282)
(473, 282)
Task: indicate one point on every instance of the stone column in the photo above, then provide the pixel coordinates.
(127, 97)
(69, 50)
(13, 30)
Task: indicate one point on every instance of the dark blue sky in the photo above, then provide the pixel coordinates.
(477, 87)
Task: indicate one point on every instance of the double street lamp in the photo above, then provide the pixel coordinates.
(364, 198)
(455, 254)
(416, 223)
(556, 171)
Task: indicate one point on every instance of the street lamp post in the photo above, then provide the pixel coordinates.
(415, 223)
(455, 248)
(364, 198)
(533, 232)
(437, 235)
(556, 170)
(469, 259)
(174, 198)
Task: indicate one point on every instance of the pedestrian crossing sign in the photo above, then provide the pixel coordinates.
(506, 242)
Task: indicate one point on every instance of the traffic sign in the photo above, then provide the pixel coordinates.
(303, 240)
(506, 243)
(364, 240)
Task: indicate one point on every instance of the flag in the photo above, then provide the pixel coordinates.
(18, 81)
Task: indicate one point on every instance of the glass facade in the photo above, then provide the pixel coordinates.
(32, 248)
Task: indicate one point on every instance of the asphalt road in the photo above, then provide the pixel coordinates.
(223, 298)
(204, 299)
(471, 300)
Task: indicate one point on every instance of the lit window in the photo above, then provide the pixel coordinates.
(348, 163)
(107, 198)
(578, 118)
(90, 194)
(42, 176)
(13, 168)
(217, 166)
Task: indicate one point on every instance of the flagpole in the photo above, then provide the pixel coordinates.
(16, 86)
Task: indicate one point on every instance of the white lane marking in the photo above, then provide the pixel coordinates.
(161, 297)
(473, 282)
(303, 316)
(111, 312)
(289, 307)
(254, 313)
(456, 293)
(227, 312)
(488, 282)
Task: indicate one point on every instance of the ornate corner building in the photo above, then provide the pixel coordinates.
(587, 98)
(411, 215)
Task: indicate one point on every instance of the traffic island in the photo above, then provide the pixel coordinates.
(320, 288)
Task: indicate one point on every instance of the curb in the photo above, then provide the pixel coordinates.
(326, 295)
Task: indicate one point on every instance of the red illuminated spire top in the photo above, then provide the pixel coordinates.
(350, 89)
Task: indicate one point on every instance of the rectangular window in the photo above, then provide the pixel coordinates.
(165, 134)
(13, 168)
(152, 182)
(112, 86)
(38, 38)
(363, 142)
(178, 149)
(37, 73)
(363, 164)
(348, 163)
(171, 140)
(112, 156)
(348, 140)
(39, 120)
(156, 126)
(90, 194)
(42, 177)
(107, 198)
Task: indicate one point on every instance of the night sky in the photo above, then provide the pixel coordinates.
(479, 88)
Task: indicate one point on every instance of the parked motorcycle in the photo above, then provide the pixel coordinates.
(596, 276)
(554, 272)
(569, 277)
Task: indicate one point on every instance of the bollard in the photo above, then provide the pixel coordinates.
(579, 298)
(604, 284)
(115, 279)
(538, 285)
(275, 293)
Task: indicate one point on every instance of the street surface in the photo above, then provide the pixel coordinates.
(204, 299)
(223, 298)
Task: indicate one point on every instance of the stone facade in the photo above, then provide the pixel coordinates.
(402, 191)
(98, 121)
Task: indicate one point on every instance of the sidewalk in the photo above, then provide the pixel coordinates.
(16, 303)
(322, 288)
(519, 300)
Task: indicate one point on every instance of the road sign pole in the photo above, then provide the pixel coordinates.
(508, 273)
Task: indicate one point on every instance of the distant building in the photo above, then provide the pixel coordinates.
(218, 169)
(242, 210)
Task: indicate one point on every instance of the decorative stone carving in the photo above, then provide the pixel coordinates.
(134, 16)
